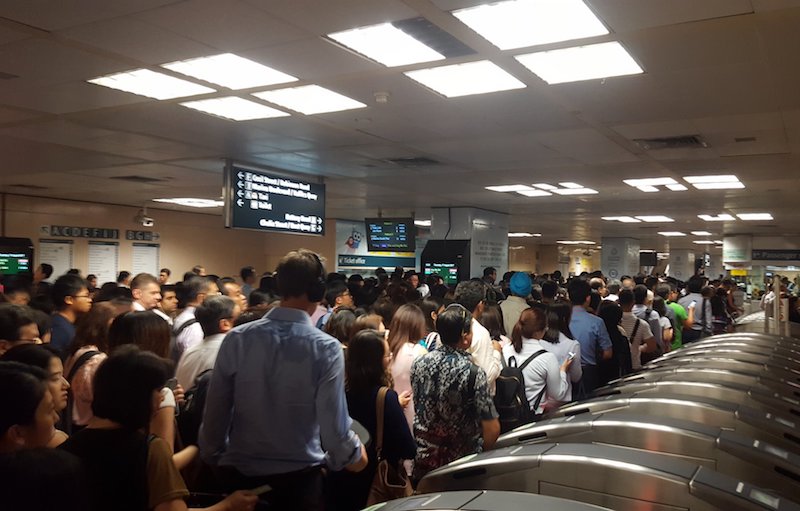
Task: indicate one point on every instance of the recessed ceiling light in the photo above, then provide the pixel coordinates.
(466, 79)
(722, 217)
(701, 233)
(570, 185)
(703, 242)
(234, 108)
(719, 242)
(534, 193)
(650, 184)
(151, 84)
(509, 188)
(721, 182)
(576, 242)
(623, 219)
(523, 235)
(192, 202)
(422, 223)
(754, 216)
(677, 187)
(576, 191)
(581, 63)
(310, 99)
(230, 71)
(655, 218)
(672, 233)
(545, 186)
(522, 23)
(387, 45)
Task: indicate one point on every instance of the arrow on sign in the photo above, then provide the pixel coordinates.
(240, 184)
(240, 193)
(319, 228)
(240, 175)
(240, 202)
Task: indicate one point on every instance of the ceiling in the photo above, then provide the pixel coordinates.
(725, 70)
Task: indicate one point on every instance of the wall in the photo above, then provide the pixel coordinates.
(533, 257)
(186, 239)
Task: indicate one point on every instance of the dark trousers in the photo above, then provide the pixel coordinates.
(301, 491)
(690, 335)
(589, 381)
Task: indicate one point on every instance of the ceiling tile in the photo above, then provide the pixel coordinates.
(50, 16)
(324, 17)
(630, 15)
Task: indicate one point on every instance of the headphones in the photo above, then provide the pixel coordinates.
(316, 290)
(466, 316)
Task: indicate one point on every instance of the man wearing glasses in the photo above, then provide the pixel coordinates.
(72, 300)
(17, 326)
(186, 329)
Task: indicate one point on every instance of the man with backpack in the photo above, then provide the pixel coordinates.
(642, 309)
(639, 332)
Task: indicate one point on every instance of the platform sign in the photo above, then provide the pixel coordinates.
(268, 202)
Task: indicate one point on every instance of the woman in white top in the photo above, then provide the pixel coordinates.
(542, 374)
(405, 331)
(560, 342)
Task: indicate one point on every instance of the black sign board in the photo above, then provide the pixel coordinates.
(267, 202)
(776, 255)
(390, 234)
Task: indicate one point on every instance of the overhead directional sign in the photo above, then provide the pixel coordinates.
(266, 202)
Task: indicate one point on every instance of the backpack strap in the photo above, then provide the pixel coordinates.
(79, 363)
(380, 403)
(635, 329)
(186, 324)
(473, 375)
(530, 359)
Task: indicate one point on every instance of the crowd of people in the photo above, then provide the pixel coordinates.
(306, 389)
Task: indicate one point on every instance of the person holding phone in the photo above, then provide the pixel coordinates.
(699, 309)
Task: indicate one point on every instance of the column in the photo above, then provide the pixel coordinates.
(681, 263)
(620, 256)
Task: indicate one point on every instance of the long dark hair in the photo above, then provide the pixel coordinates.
(364, 362)
(144, 329)
(91, 329)
(531, 322)
(492, 320)
(558, 317)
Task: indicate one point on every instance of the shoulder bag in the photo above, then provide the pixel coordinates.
(390, 481)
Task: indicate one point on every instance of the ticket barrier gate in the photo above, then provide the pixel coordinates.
(734, 364)
(753, 460)
(778, 430)
(771, 360)
(619, 478)
(486, 500)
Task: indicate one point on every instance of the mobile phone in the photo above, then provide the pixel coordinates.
(171, 383)
(261, 489)
(694, 302)
(570, 355)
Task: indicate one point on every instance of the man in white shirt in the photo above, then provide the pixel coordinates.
(186, 330)
(216, 316)
(146, 292)
(640, 336)
(485, 352)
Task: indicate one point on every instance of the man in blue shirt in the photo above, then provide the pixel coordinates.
(277, 397)
(590, 332)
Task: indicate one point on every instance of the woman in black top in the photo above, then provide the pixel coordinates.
(366, 368)
(620, 364)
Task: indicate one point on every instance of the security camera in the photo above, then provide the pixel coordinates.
(142, 218)
(148, 222)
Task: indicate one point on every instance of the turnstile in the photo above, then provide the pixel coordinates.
(615, 477)
(700, 364)
(776, 429)
(753, 460)
(767, 359)
(484, 501)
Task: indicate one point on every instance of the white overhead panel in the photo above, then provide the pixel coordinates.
(466, 79)
(310, 99)
(386, 44)
(604, 60)
(151, 84)
(231, 71)
(234, 108)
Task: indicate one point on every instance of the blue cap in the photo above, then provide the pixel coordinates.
(520, 284)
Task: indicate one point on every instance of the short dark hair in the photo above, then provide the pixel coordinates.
(626, 297)
(91, 276)
(694, 284)
(470, 293)
(168, 288)
(124, 384)
(297, 272)
(191, 288)
(663, 290)
(614, 287)
(364, 362)
(258, 297)
(165, 270)
(144, 329)
(340, 324)
(247, 272)
(211, 311)
(197, 268)
(333, 290)
(47, 270)
(122, 276)
(12, 318)
(640, 293)
(23, 389)
(489, 270)
(452, 323)
(549, 289)
(578, 290)
(36, 355)
(65, 286)
(43, 322)
(143, 279)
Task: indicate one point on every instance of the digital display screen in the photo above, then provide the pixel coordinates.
(265, 202)
(14, 262)
(448, 271)
(390, 234)
(765, 498)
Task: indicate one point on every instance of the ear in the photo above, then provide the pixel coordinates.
(225, 325)
(15, 436)
(4, 346)
(69, 300)
(136, 293)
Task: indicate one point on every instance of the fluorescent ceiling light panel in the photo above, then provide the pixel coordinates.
(672, 233)
(534, 193)
(576, 191)
(192, 202)
(718, 186)
(387, 45)
(234, 108)
(655, 218)
(509, 188)
(754, 216)
(545, 186)
(523, 23)
(310, 99)
(422, 223)
(623, 219)
(151, 84)
(231, 71)
(651, 181)
(718, 242)
(466, 79)
(570, 185)
(581, 63)
(703, 242)
(523, 235)
(711, 179)
(701, 233)
(575, 242)
(677, 187)
(722, 217)
(647, 188)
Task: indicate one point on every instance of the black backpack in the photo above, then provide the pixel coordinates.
(191, 414)
(510, 400)
(174, 350)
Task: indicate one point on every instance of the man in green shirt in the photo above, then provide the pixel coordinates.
(681, 318)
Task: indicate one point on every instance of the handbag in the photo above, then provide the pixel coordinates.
(390, 481)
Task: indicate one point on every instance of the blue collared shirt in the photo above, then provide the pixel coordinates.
(276, 397)
(590, 331)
